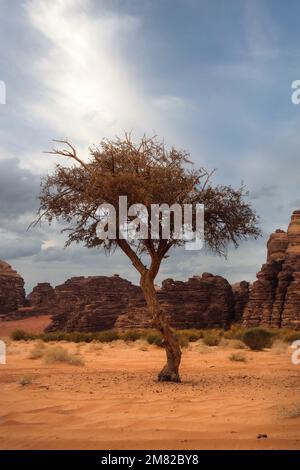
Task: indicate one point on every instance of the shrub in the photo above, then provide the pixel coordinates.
(290, 336)
(238, 357)
(258, 338)
(59, 354)
(131, 335)
(191, 335)
(212, 337)
(107, 336)
(38, 351)
(19, 335)
(155, 338)
(235, 332)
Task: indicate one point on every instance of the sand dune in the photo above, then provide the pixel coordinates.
(114, 402)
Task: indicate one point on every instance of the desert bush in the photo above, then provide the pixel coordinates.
(107, 336)
(258, 338)
(235, 332)
(237, 357)
(192, 335)
(38, 351)
(212, 337)
(21, 335)
(59, 354)
(155, 338)
(131, 335)
(279, 346)
(289, 336)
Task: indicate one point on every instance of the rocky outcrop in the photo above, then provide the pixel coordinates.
(12, 293)
(42, 299)
(275, 297)
(241, 292)
(92, 303)
(202, 302)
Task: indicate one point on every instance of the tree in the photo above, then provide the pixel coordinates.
(147, 173)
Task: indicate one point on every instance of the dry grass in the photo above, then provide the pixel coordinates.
(54, 354)
(238, 357)
(292, 411)
(279, 346)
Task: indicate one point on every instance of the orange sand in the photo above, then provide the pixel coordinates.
(114, 401)
(30, 324)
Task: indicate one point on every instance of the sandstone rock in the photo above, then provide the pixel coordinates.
(241, 292)
(92, 303)
(12, 293)
(201, 302)
(42, 299)
(275, 297)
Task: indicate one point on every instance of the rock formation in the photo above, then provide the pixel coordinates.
(202, 302)
(91, 304)
(241, 292)
(275, 297)
(12, 293)
(42, 299)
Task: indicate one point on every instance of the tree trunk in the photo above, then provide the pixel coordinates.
(170, 372)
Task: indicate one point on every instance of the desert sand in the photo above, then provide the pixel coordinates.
(115, 402)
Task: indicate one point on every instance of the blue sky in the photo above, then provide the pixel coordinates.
(213, 77)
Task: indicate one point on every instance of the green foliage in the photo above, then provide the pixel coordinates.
(155, 338)
(131, 335)
(258, 338)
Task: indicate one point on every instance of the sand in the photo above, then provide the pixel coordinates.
(114, 401)
(30, 324)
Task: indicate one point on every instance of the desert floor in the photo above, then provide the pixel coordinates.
(114, 401)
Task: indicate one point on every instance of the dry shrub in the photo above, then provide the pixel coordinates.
(279, 346)
(38, 351)
(238, 357)
(56, 354)
(212, 337)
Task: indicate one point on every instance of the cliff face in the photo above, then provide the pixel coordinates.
(92, 303)
(12, 293)
(275, 296)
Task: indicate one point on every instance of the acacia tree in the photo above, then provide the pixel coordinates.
(147, 173)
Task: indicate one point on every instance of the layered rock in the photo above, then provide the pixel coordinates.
(91, 304)
(202, 302)
(275, 297)
(42, 299)
(12, 293)
(241, 292)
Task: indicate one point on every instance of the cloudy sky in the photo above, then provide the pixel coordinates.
(210, 76)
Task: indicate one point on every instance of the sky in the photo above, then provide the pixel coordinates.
(209, 76)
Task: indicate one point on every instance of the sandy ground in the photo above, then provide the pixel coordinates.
(30, 324)
(114, 401)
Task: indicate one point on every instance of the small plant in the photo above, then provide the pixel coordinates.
(107, 336)
(24, 381)
(235, 332)
(59, 354)
(155, 338)
(279, 346)
(38, 351)
(21, 335)
(131, 335)
(258, 338)
(212, 337)
(237, 357)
